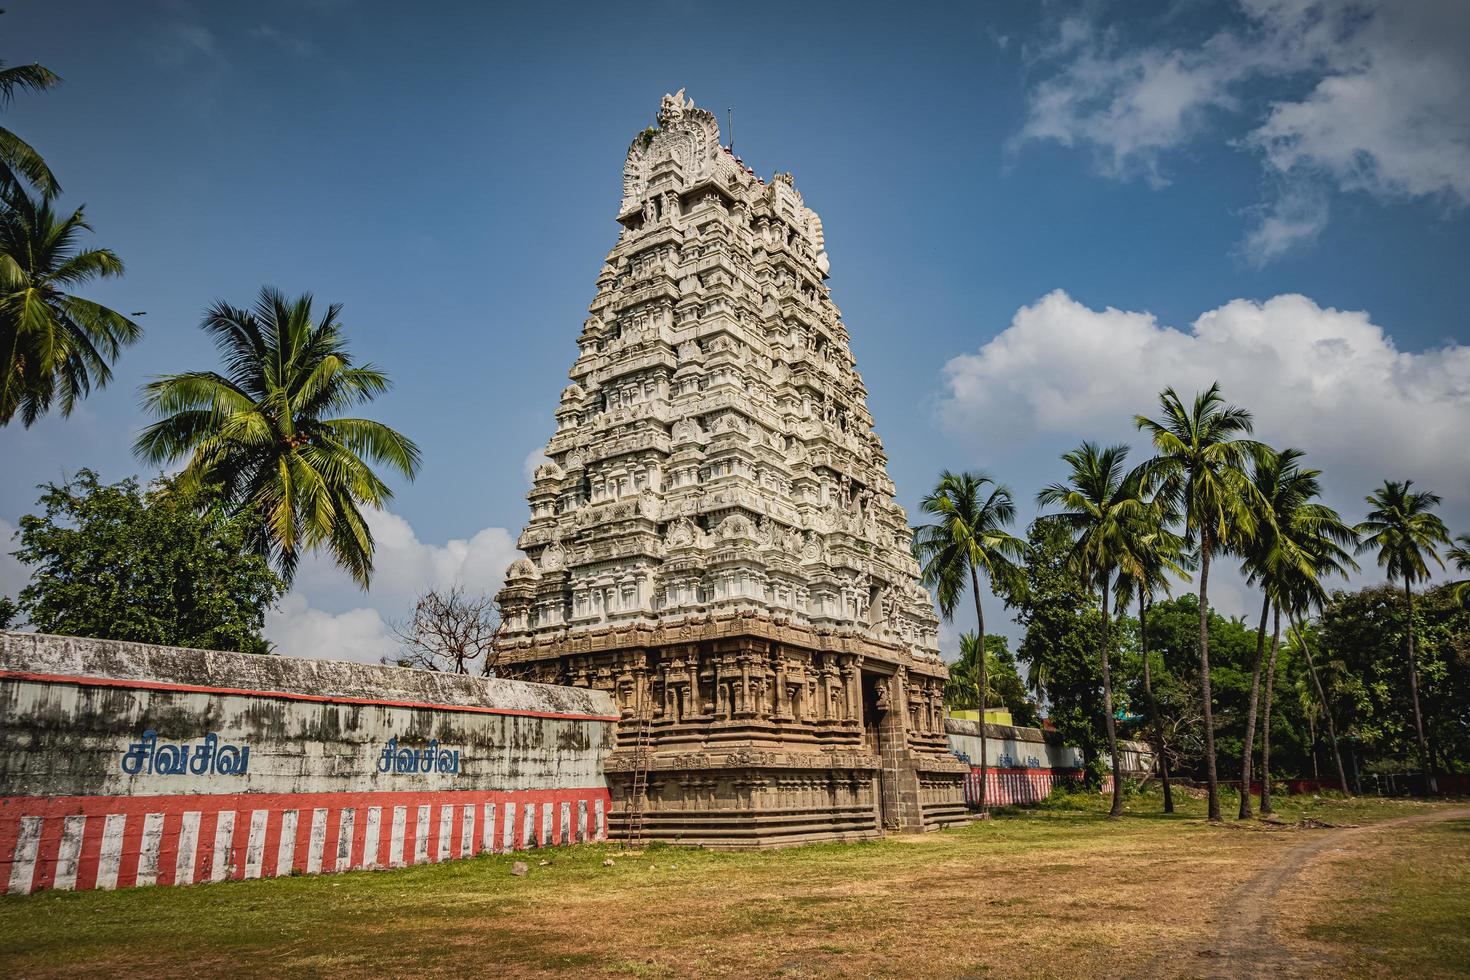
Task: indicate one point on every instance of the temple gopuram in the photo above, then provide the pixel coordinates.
(714, 538)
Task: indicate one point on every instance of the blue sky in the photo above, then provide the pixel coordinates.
(1028, 207)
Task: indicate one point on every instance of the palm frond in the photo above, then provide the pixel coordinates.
(18, 159)
(58, 346)
(260, 431)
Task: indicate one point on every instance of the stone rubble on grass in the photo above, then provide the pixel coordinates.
(520, 869)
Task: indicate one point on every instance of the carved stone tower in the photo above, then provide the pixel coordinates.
(713, 535)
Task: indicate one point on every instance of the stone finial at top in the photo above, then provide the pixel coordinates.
(671, 108)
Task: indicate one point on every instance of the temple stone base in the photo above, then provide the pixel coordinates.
(740, 805)
(764, 735)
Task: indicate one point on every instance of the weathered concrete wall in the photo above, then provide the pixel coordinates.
(1023, 765)
(127, 764)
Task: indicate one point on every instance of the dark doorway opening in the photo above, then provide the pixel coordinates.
(875, 718)
(872, 715)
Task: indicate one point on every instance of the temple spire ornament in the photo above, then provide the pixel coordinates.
(713, 533)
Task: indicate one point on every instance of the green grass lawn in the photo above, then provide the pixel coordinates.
(1055, 890)
(1404, 911)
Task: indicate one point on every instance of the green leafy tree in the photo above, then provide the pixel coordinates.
(55, 344)
(1360, 631)
(1300, 588)
(1158, 554)
(1402, 528)
(968, 537)
(1294, 529)
(265, 435)
(19, 162)
(1174, 634)
(1304, 697)
(1100, 505)
(116, 562)
(9, 612)
(962, 690)
(1202, 461)
(1061, 646)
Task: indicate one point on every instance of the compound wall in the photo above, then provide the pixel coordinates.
(124, 764)
(1023, 765)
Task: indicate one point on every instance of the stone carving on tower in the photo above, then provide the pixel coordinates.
(713, 533)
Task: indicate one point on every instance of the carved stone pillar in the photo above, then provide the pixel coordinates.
(852, 690)
(782, 711)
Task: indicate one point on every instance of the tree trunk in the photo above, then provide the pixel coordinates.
(1107, 678)
(1414, 689)
(1211, 778)
(1247, 745)
(1326, 708)
(984, 693)
(1153, 706)
(1266, 721)
(1312, 733)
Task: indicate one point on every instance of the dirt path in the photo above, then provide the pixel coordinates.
(1244, 945)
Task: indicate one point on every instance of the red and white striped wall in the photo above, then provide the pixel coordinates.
(81, 842)
(1016, 787)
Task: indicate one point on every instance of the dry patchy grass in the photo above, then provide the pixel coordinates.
(1387, 904)
(1055, 891)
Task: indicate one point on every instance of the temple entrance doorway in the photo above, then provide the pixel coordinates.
(875, 719)
(872, 715)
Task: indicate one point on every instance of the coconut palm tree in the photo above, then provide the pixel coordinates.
(1460, 555)
(1266, 807)
(1159, 553)
(1295, 530)
(56, 346)
(19, 162)
(1261, 551)
(968, 538)
(964, 673)
(265, 433)
(1299, 590)
(1100, 504)
(1403, 529)
(1201, 464)
(1038, 676)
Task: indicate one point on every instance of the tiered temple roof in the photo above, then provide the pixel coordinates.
(714, 452)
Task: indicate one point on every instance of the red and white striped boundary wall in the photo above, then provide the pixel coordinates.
(1016, 787)
(1020, 787)
(86, 842)
(110, 772)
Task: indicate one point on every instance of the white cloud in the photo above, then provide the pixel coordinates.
(1386, 111)
(326, 615)
(1127, 105)
(404, 567)
(1328, 381)
(298, 630)
(1392, 113)
(1296, 216)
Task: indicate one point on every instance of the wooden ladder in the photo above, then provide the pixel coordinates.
(642, 740)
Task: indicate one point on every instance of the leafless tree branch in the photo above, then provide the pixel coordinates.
(450, 631)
